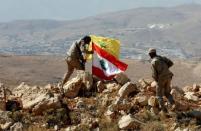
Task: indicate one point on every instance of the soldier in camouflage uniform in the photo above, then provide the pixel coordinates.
(75, 57)
(163, 76)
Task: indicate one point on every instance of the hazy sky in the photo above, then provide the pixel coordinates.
(72, 9)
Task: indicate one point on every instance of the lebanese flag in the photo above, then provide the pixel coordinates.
(104, 65)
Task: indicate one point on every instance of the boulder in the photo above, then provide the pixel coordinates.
(17, 127)
(154, 110)
(110, 114)
(174, 126)
(153, 84)
(37, 99)
(104, 100)
(72, 87)
(87, 79)
(80, 104)
(144, 83)
(47, 102)
(152, 87)
(5, 120)
(6, 125)
(72, 128)
(142, 100)
(191, 96)
(178, 89)
(111, 87)
(24, 89)
(4, 117)
(100, 86)
(196, 87)
(176, 94)
(126, 89)
(152, 101)
(121, 104)
(121, 78)
(187, 89)
(127, 122)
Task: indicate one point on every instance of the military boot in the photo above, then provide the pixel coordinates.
(161, 105)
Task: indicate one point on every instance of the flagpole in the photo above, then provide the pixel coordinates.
(92, 59)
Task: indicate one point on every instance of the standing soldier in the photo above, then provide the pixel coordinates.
(163, 76)
(75, 57)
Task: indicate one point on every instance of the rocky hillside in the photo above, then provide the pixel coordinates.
(173, 31)
(86, 103)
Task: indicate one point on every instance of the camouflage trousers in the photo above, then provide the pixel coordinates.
(72, 65)
(163, 89)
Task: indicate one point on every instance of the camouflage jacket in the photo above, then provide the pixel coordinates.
(160, 68)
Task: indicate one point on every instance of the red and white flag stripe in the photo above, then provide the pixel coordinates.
(105, 65)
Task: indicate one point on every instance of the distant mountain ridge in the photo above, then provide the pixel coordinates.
(174, 31)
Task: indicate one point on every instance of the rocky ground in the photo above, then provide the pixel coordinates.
(86, 103)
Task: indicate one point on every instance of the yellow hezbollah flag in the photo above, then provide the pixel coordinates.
(110, 45)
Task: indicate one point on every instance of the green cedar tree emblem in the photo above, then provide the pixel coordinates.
(102, 44)
(102, 63)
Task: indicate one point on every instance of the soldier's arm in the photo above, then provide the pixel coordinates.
(168, 61)
(81, 55)
(85, 50)
(154, 71)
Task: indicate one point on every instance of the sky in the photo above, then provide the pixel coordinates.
(73, 9)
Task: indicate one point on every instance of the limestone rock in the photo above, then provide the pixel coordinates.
(4, 117)
(111, 87)
(174, 126)
(2, 105)
(187, 89)
(154, 110)
(152, 87)
(47, 102)
(121, 104)
(17, 127)
(100, 86)
(6, 126)
(179, 90)
(24, 89)
(177, 93)
(126, 89)
(191, 96)
(152, 101)
(196, 87)
(104, 100)
(37, 99)
(72, 87)
(142, 100)
(110, 114)
(127, 122)
(87, 79)
(72, 128)
(144, 83)
(153, 84)
(121, 78)
(80, 104)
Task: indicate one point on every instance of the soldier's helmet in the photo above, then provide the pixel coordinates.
(151, 50)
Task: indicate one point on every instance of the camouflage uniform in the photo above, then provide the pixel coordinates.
(75, 59)
(163, 76)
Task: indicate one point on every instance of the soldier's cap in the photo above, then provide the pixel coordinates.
(86, 39)
(151, 50)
